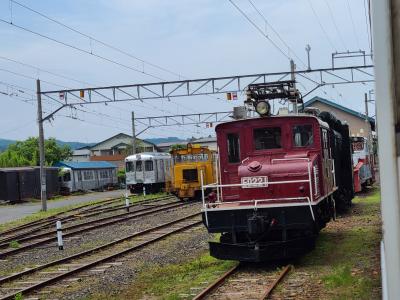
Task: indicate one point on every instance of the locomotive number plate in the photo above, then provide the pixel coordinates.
(254, 182)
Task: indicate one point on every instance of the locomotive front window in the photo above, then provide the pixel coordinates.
(267, 138)
(139, 166)
(148, 165)
(303, 136)
(233, 147)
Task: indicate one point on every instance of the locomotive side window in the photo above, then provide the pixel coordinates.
(267, 138)
(139, 166)
(303, 136)
(233, 147)
(148, 165)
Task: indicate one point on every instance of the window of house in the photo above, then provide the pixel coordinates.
(88, 175)
(148, 165)
(233, 147)
(139, 166)
(104, 174)
(79, 175)
(267, 138)
(303, 136)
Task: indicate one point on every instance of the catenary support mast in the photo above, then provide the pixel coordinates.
(43, 195)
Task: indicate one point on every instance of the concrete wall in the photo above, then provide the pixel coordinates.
(358, 126)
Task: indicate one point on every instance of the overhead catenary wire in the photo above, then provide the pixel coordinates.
(335, 25)
(91, 38)
(280, 37)
(367, 19)
(80, 49)
(321, 26)
(259, 30)
(276, 32)
(353, 25)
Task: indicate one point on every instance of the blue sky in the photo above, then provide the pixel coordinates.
(196, 38)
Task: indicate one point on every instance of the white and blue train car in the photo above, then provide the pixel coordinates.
(83, 176)
(149, 170)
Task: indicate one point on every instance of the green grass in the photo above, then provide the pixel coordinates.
(169, 281)
(346, 260)
(51, 212)
(14, 244)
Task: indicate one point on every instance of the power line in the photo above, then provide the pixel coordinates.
(352, 22)
(369, 33)
(276, 32)
(259, 29)
(334, 23)
(18, 128)
(43, 70)
(80, 49)
(30, 77)
(320, 25)
(91, 52)
(97, 40)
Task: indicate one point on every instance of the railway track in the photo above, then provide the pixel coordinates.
(31, 280)
(14, 234)
(50, 236)
(58, 215)
(241, 282)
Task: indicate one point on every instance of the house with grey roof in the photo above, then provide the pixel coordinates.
(359, 124)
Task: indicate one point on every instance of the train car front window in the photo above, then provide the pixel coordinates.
(139, 166)
(233, 147)
(303, 136)
(148, 165)
(129, 166)
(267, 138)
(67, 177)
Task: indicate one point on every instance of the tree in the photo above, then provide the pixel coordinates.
(26, 153)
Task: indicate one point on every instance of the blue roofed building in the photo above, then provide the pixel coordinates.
(86, 175)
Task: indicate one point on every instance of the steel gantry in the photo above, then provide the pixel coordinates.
(186, 119)
(205, 86)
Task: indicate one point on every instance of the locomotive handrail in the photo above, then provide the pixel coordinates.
(255, 184)
(290, 159)
(262, 184)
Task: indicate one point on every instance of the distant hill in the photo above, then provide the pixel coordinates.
(74, 145)
(171, 139)
(4, 144)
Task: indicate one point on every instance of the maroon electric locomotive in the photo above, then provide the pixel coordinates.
(281, 179)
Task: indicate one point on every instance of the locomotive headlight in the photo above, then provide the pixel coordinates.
(263, 108)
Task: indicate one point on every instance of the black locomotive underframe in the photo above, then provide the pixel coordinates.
(266, 234)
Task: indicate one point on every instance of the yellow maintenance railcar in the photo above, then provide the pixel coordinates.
(188, 164)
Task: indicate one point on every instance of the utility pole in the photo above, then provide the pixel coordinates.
(293, 77)
(133, 134)
(43, 195)
(369, 133)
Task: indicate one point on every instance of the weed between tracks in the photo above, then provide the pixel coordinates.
(170, 281)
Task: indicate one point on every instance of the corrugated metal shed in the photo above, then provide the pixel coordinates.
(17, 184)
(85, 165)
